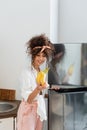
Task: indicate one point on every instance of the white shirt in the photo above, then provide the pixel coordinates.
(28, 84)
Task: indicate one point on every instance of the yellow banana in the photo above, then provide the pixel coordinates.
(40, 79)
(71, 69)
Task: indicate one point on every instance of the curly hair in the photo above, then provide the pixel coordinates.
(36, 44)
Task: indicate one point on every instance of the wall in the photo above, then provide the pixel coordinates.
(19, 20)
(73, 21)
(68, 21)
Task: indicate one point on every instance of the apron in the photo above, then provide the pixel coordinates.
(27, 118)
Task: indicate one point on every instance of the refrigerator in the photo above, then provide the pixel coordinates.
(67, 108)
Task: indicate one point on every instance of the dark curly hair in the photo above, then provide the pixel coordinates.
(36, 43)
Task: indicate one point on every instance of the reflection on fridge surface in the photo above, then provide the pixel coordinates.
(67, 108)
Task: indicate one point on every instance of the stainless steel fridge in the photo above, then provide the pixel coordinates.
(67, 108)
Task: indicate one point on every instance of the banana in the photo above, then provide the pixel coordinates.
(71, 69)
(40, 79)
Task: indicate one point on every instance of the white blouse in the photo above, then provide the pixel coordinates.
(28, 84)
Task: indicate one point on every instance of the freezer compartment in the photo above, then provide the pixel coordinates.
(67, 109)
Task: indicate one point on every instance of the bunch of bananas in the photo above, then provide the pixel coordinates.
(40, 79)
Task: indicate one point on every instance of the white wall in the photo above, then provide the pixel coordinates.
(73, 21)
(19, 21)
(68, 21)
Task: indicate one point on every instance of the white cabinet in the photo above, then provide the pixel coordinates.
(6, 124)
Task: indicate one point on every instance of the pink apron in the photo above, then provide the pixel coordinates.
(27, 118)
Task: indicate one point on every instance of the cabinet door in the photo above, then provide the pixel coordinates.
(6, 124)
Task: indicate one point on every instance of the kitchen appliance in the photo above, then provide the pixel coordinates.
(67, 108)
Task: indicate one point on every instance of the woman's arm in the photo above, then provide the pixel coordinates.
(36, 92)
(33, 95)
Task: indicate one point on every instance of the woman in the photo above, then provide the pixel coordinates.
(31, 112)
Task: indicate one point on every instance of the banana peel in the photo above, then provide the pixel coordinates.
(40, 79)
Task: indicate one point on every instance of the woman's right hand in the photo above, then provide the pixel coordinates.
(41, 87)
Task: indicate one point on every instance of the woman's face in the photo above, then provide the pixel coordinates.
(39, 59)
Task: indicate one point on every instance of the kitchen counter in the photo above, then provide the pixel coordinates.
(12, 113)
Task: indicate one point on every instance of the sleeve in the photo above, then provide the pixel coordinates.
(25, 85)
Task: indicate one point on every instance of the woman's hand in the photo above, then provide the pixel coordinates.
(55, 88)
(41, 87)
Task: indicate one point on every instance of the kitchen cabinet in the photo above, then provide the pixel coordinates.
(6, 124)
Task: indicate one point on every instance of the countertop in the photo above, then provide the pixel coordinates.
(12, 113)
